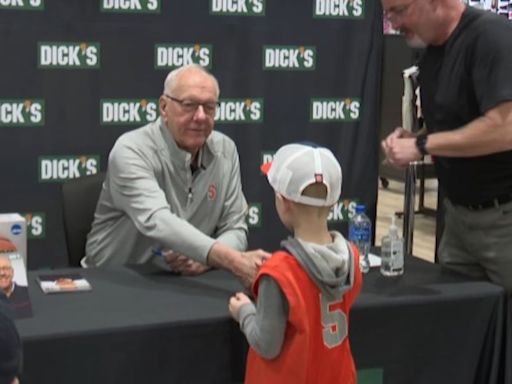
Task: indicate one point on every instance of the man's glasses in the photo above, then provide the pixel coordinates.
(191, 106)
(5, 269)
(398, 12)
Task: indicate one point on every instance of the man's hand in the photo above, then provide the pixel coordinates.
(400, 148)
(184, 265)
(236, 302)
(243, 265)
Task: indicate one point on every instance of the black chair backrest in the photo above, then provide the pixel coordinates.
(79, 197)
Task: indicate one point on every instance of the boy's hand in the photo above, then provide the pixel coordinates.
(236, 302)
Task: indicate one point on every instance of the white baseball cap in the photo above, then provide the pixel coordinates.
(295, 166)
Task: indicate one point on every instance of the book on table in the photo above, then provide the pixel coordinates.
(64, 282)
(13, 281)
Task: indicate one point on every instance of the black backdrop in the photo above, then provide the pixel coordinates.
(57, 120)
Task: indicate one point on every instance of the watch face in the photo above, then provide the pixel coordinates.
(421, 141)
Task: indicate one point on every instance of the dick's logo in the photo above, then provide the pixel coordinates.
(36, 225)
(289, 58)
(267, 156)
(342, 211)
(341, 9)
(21, 112)
(68, 55)
(254, 215)
(334, 110)
(30, 5)
(177, 55)
(237, 7)
(128, 111)
(130, 6)
(60, 168)
(240, 111)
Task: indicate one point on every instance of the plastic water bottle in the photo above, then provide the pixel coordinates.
(360, 233)
(392, 252)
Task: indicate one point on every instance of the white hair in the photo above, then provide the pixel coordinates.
(172, 77)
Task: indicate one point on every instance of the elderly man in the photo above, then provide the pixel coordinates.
(173, 188)
(466, 96)
(6, 276)
(10, 289)
(17, 295)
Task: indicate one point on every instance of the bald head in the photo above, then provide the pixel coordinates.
(173, 77)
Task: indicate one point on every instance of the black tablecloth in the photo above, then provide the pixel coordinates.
(432, 326)
(146, 326)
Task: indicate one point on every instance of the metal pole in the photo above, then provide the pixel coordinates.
(409, 206)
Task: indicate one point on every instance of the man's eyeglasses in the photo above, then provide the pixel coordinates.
(189, 106)
(398, 12)
(5, 269)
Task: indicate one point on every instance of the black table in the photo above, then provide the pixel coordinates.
(147, 326)
(432, 326)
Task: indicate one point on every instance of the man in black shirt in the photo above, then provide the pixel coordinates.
(466, 95)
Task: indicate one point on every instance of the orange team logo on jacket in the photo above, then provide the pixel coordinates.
(212, 192)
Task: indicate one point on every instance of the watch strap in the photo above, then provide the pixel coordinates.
(421, 143)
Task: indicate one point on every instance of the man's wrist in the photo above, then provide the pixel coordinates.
(222, 256)
(421, 143)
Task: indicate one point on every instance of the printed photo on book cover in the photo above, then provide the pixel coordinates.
(13, 281)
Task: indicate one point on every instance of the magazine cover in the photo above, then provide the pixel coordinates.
(13, 281)
(67, 282)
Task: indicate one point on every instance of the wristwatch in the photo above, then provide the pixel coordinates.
(421, 143)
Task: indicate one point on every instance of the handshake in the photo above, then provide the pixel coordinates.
(244, 265)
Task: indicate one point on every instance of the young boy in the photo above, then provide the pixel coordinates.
(298, 328)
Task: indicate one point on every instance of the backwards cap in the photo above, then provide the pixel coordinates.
(295, 166)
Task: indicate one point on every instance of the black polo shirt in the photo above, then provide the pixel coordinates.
(460, 81)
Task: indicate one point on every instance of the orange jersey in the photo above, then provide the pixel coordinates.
(316, 347)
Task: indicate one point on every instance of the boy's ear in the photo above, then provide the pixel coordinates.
(279, 197)
(284, 201)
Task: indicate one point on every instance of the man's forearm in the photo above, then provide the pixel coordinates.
(235, 238)
(225, 257)
(487, 134)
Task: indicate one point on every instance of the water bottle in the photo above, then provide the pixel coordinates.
(360, 233)
(392, 252)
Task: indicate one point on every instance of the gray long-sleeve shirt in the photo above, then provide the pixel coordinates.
(151, 198)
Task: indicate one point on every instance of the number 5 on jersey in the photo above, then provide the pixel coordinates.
(334, 321)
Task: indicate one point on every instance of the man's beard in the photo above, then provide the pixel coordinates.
(415, 41)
